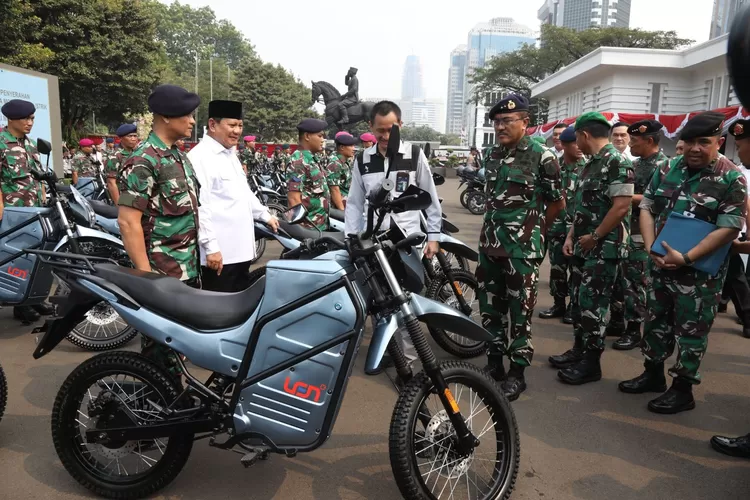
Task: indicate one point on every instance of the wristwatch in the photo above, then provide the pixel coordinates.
(596, 236)
(687, 259)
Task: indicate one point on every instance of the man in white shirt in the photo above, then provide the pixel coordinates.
(227, 205)
(556, 133)
(370, 167)
(621, 139)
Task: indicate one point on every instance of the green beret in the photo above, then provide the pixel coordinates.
(591, 116)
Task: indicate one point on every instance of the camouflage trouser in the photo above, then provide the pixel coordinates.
(634, 272)
(593, 281)
(508, 287)
(575, 286)
(559, 279)
(161, 354)
(681, 309)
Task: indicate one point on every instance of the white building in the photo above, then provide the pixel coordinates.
(628, 80)
(584, 14)
(723, 14)
(425, 112)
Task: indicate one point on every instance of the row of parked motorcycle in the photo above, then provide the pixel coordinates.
(279, 355)
(473, 197)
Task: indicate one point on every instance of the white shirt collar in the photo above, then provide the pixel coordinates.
(215, 146)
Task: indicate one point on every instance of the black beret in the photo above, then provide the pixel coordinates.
(740, 129)
(172, 101)
(346, 140)
(16, 109)
(569, 134)
(509, 104)
(125, 129)
(225, 109)
(312, 125)
(645, 128)
(707, 124)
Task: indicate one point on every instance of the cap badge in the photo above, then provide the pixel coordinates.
(512, 105)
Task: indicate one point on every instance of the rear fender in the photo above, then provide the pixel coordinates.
(457, 247)
(336, 225)
(85, 232)
(262, 231)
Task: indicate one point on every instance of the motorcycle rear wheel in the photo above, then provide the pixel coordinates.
(3, 392)
(475, 203)
(412, 447)
(463, 198)
(107, 376)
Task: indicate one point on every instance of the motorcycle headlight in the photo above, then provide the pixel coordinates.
(84, 203)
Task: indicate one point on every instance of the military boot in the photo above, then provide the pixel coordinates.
(568, 318)
(651, 380)
(44, 309)
(734, 447)
(616, 325)
(630, 339)
(569, 357)
(589, 369)
(678, 398)
(515, 384)
(26, 314)
(556, 311)
(495, 366)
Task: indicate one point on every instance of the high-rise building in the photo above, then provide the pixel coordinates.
(411, 82)
(455, 118)
(424, 112)
(723, 15)
(583, 14)
(485, 41)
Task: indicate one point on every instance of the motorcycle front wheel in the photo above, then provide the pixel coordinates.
(422, 441)
(465, 197)
(475, 203)
(102, 328)
(3, 392)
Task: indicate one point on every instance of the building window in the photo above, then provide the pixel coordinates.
(656, 89)
(709, 93)
(489, 139)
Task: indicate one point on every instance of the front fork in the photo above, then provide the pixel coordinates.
(448, 271)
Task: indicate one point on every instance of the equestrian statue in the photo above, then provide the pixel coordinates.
(343, 111)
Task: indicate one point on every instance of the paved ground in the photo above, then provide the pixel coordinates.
(588, 443)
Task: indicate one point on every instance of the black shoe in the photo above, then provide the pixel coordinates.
(587, 370)
(746, 331)
(568, 318)
(651, 380)
(556, 311)
(384, 363)
(615, 327)
(722, 307)
(26, 314)
(569, 357)
(734, 447)
(678, 398)
(495, 367)
(44, 309)
(630, 339)
(515, 384)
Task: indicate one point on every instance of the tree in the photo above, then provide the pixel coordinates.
(450, 140)
(517, 71)
(274, 100)
(421, 133)
(103, 52)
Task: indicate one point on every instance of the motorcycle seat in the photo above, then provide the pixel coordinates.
(169, 297)
(62, 188)
(101, 208)
(337, 214)
(300, 233)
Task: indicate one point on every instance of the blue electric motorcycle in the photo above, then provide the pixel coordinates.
(280, 355)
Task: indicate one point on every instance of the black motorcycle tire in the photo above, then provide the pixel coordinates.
(3, 392)
(77, 337)
(475, 203)
(464, 197)
(405, 418)
(65, 413)
(260, 248)
(442, 338)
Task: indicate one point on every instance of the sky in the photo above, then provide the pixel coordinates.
(321, 40)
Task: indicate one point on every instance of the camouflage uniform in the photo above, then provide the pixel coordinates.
(161, 183)
(85, 165)
(248, 158)
(17, 158)
(559, 280)
(308, 177)
(634, 269)
(607, 174)
(116, 162)
(520, 182)
(340, 173)
(682, 303)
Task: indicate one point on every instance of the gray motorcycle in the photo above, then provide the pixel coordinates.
(280, 358)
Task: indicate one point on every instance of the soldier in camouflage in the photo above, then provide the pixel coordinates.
(18, 157)
(682, 300)
(306, 179)
(158, 213)
(598, 240)
(644, 143)
(247, 155)
(128, 134)
(340, 170)
(85, 163)
(523, 192)
(559, 276)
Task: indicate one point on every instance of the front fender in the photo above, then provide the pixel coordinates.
(457, 247)
(441, 316)
(85, 232)
(384, 331)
